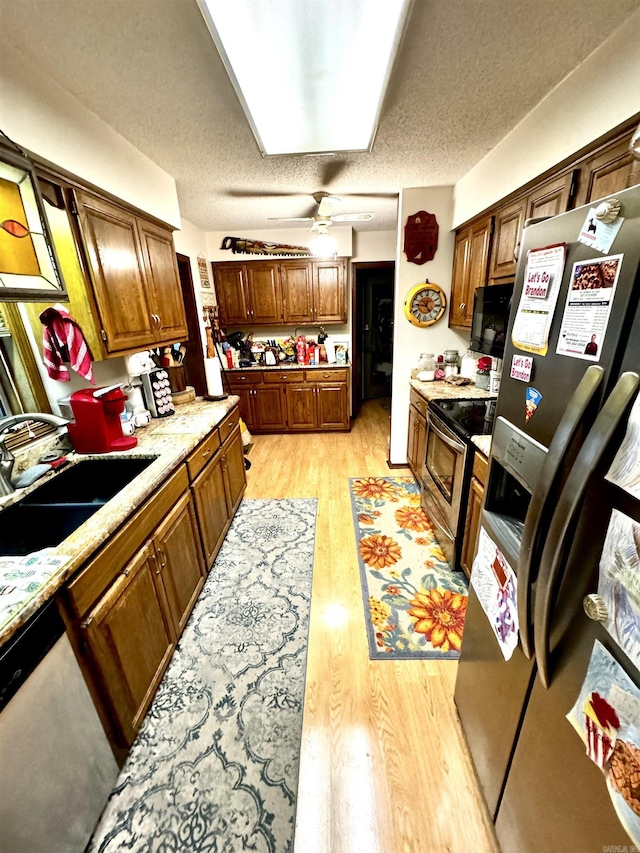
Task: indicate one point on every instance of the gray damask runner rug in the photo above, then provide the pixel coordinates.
(215, 765)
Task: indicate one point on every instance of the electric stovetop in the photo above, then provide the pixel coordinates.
(467, 417)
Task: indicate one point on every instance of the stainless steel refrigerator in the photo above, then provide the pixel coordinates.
(548, 508)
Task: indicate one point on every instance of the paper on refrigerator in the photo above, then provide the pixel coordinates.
(625, 468)
(540, 290)
(495, 585)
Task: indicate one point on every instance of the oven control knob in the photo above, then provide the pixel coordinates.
(595, 608)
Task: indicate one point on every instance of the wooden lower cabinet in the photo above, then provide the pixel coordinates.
(130, 637)
(217, 492)
(293, 400)
(474, 509)
(417, 441)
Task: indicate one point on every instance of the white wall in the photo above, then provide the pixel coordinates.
(44, 118)
(408, 340)
(371, 246)
(598, 95)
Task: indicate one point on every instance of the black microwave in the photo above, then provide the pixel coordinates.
(491, 307)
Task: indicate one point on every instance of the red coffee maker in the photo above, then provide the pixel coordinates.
(97, 427)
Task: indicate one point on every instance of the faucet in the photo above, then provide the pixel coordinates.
(6, 456)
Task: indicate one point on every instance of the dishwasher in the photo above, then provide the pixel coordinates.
(57, 766)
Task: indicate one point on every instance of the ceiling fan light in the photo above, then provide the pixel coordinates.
(324, 245)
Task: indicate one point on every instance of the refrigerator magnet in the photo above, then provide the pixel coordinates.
(597, 233)
(540, 291)
(521, 367)
(495, 584)
(532, 401)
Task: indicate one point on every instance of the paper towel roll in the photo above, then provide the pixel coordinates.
(214, 378)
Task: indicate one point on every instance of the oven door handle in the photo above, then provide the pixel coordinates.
(452, 443)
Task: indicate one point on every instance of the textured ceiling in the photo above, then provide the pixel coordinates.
(467, 73)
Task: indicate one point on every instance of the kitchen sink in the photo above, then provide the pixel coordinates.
(88, 481)
(46, 516)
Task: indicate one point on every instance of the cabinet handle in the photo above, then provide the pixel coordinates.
(205, 453)
(243, 379)
(126, 571)
(159, 320)
(163, 557)
(154, 560)
(463, 305)
(86, 622)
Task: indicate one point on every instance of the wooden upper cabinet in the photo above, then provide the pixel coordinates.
(162, 274)
(296, 279)
(134, 276)
(610, 171)
(230, 284)
(460, 279)
(552, 197)
(470, 263)
(110, 238)
(329, 286)
(273, 292)
(264, 293)
(506, 240)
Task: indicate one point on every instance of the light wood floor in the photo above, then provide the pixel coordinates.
(384, 767)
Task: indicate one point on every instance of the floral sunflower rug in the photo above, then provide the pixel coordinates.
(414, 604)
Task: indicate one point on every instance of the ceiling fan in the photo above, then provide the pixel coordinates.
(324, 216)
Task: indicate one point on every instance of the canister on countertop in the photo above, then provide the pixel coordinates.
(426, 367)
(450, 362)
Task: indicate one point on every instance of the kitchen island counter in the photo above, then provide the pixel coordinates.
(168, 442)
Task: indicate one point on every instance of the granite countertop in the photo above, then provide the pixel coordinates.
(289, 365)
(28, 582)
(440, 390)
(483, 443)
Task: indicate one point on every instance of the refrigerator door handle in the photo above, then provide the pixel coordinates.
(560, 536)
(544, 492)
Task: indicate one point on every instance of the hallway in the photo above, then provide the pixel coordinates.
(384, 767)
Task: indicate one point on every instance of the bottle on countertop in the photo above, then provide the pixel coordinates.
(440, 368)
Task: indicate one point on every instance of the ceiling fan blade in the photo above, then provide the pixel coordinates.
(290, 218)
(352, 217)
(265, 194)
(326, 205)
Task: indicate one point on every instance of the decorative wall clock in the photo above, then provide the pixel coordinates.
(425, 304)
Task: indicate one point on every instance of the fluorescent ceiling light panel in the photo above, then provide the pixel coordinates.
(310, 74)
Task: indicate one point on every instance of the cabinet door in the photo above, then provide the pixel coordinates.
(210, 498)
(182, 570)
(110, 238)
(460, 279)
(230, 283)
(131, 640)
(332, 402)
(612, 170)
(329, 285)
(479, 246)
(296, 278)
(421, 445)
(270, 407)
(301, 407)
(412, 440)
(246, 404)
(552, 197)
(506, 240)
(265, 297)
(162, 274)
(472, 526)
(235, 475)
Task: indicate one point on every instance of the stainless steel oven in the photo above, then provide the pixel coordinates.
(444, 481)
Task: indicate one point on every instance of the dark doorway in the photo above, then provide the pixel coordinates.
(373, 330)
(194, 360)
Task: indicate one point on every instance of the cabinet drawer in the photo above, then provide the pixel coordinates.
(419, 402)
(480, 465)
(336, 374)
(227, 426)
(284, 376)
(88, 585)
(202, 454)
(253, 377)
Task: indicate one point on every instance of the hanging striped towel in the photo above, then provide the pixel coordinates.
(63, 341)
